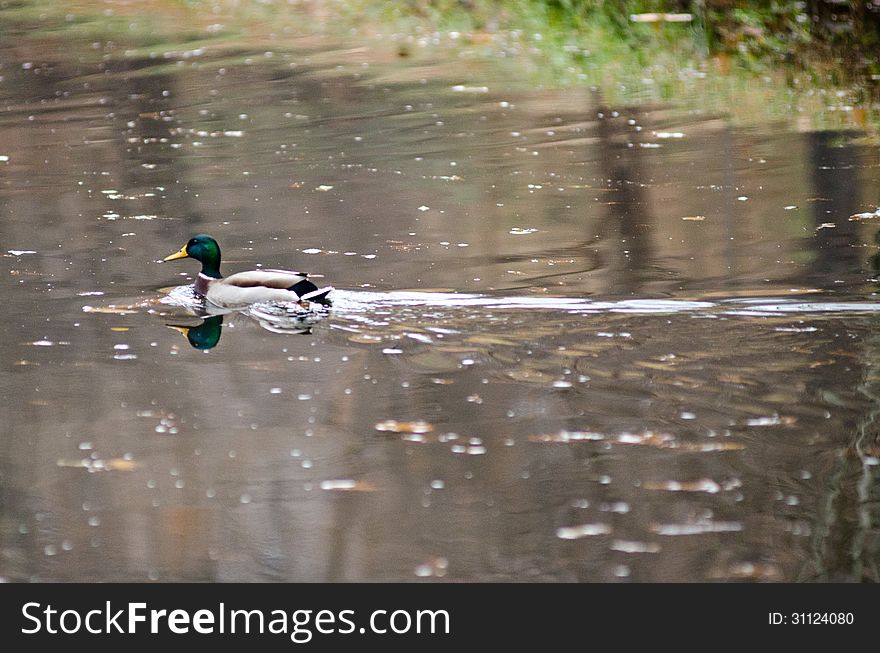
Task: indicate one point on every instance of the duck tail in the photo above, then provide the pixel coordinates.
(303, 287)
(318, 295)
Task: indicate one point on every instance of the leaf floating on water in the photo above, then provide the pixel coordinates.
(348, 485)
(120, 465)
(751, 570)
(567, 436)
(648, 437)
(113, 310)
(702, 485)
(365, 338)
(584, 530)
(773, 420)
(393, 426)
(667, 441)
(99, 465)
(865, 216)
(697, 527)
(485, 339)
(709, 446)
(531, 376)
(626, 546)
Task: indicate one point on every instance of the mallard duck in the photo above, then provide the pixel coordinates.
(245, 288)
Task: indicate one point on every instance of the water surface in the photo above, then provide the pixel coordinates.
(572, 341)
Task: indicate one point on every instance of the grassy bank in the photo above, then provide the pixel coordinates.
(577, 33)
(579, 37)
(759, 55)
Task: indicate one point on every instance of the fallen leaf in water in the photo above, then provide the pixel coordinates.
(866, 215)
(698, 527)
(757, 570)
(531, 376)
(627, 546)
(708, 446)
(364, 338)
(772, 420)
(393, 426)
(491, 340)
(667, 441)
(567, 436)
(99, 465)
(348, 485)
(115, 310)
(584, 530)
(649, 438)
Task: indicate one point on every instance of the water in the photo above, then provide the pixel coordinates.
(572, 340)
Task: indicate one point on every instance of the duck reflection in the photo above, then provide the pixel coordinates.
(206, 335)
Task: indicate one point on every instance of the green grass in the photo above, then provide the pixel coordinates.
(739, 62)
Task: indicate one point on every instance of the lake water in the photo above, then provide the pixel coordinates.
(571, 340)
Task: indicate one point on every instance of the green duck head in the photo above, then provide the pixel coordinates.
(205, 336)
(205, 250)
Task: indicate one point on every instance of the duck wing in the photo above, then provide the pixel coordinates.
(279, 279)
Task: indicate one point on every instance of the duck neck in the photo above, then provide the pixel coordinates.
(211, 267)
(210, 272)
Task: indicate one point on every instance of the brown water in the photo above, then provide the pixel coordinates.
(571, 341)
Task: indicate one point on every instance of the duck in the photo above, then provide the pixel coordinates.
(245, 288)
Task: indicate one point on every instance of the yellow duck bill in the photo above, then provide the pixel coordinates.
(181, 253)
